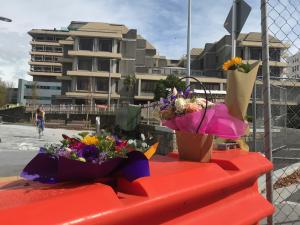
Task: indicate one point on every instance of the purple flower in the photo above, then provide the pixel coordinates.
(42, 150)
(89, 152)
(187, 92)
(102, 157)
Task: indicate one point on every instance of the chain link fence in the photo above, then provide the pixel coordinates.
(283, 19)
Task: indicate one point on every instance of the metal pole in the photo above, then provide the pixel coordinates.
(254, 116)
(266, 97)
(233, 32)
(109, 85)
(188, 53)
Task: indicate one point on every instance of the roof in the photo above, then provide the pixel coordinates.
(256, 37)
(196, 51)
(97, 26)
(148, 44)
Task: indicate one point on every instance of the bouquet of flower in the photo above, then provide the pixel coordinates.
(240, 81)
(88, 157)
(195, 121)
(184, 111)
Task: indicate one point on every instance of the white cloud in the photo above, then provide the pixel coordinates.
(163, 23)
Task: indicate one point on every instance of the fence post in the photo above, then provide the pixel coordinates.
(148, 112)
(266, 97)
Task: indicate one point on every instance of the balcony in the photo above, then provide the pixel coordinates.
(174, 71)
(46, 53)
(52, 74)
(43, 42)
(44, 63)
(83, 94)
(92, 74)
(66, 42)
(95, 54)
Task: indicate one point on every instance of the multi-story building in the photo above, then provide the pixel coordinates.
(37, 92)
(294, 65)
(87, 57)
(249, 47)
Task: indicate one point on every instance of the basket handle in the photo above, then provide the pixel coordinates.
(206, 98)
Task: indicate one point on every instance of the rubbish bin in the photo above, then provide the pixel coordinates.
(223, 191)
(127, 118)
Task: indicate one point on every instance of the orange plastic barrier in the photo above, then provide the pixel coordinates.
(223, 192)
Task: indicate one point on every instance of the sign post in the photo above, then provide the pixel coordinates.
(235, 21)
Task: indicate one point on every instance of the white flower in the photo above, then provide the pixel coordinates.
(180, 104)
(144, 145)
(143, 136)
(202, 102)
(175, 92)
(130, 142)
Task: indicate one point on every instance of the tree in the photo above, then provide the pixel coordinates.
(129, 83)
(34, 93)
(169, 83)
(3, 92)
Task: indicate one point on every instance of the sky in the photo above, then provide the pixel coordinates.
(162, 22)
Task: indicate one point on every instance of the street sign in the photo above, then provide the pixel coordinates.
(242, 13)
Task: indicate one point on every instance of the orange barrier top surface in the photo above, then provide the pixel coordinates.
(177, 192)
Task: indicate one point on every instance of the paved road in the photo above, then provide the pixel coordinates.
(20, 143)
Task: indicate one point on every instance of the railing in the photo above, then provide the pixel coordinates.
(174, 71)
(74, 109)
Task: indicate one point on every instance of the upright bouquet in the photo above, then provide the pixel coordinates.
(87, 158)
(241, 78)
(195, 121)
(240, 81)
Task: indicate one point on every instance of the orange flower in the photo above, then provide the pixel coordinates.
(237, 60)
(227, 65)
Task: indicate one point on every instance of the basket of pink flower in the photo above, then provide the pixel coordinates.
(196, 120)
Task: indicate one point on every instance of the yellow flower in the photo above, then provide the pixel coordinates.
(227, 65)
(90, 140)
(232, 62)
(237, 60)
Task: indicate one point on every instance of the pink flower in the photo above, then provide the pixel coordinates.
(192, 107)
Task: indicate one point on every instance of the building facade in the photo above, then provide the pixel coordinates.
(249, 47)
(294, 65)
(88, 57)
(37, 92)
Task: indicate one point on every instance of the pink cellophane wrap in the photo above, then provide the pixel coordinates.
(217, 121)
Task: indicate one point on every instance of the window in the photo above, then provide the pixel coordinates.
(38, 48)
(148, 85)
(58, 49)
(37, 58)
(48, 58)
(50, 38)
(105, 45)
(275, 71)
(102, 84)
(40, 38)
(86, 44)
(83, 83)
(208, 86)
(38, 97)
(57, 69)
(85, 64)
(48, 48)
(255, 53)
(104, 65)
(274, 54)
